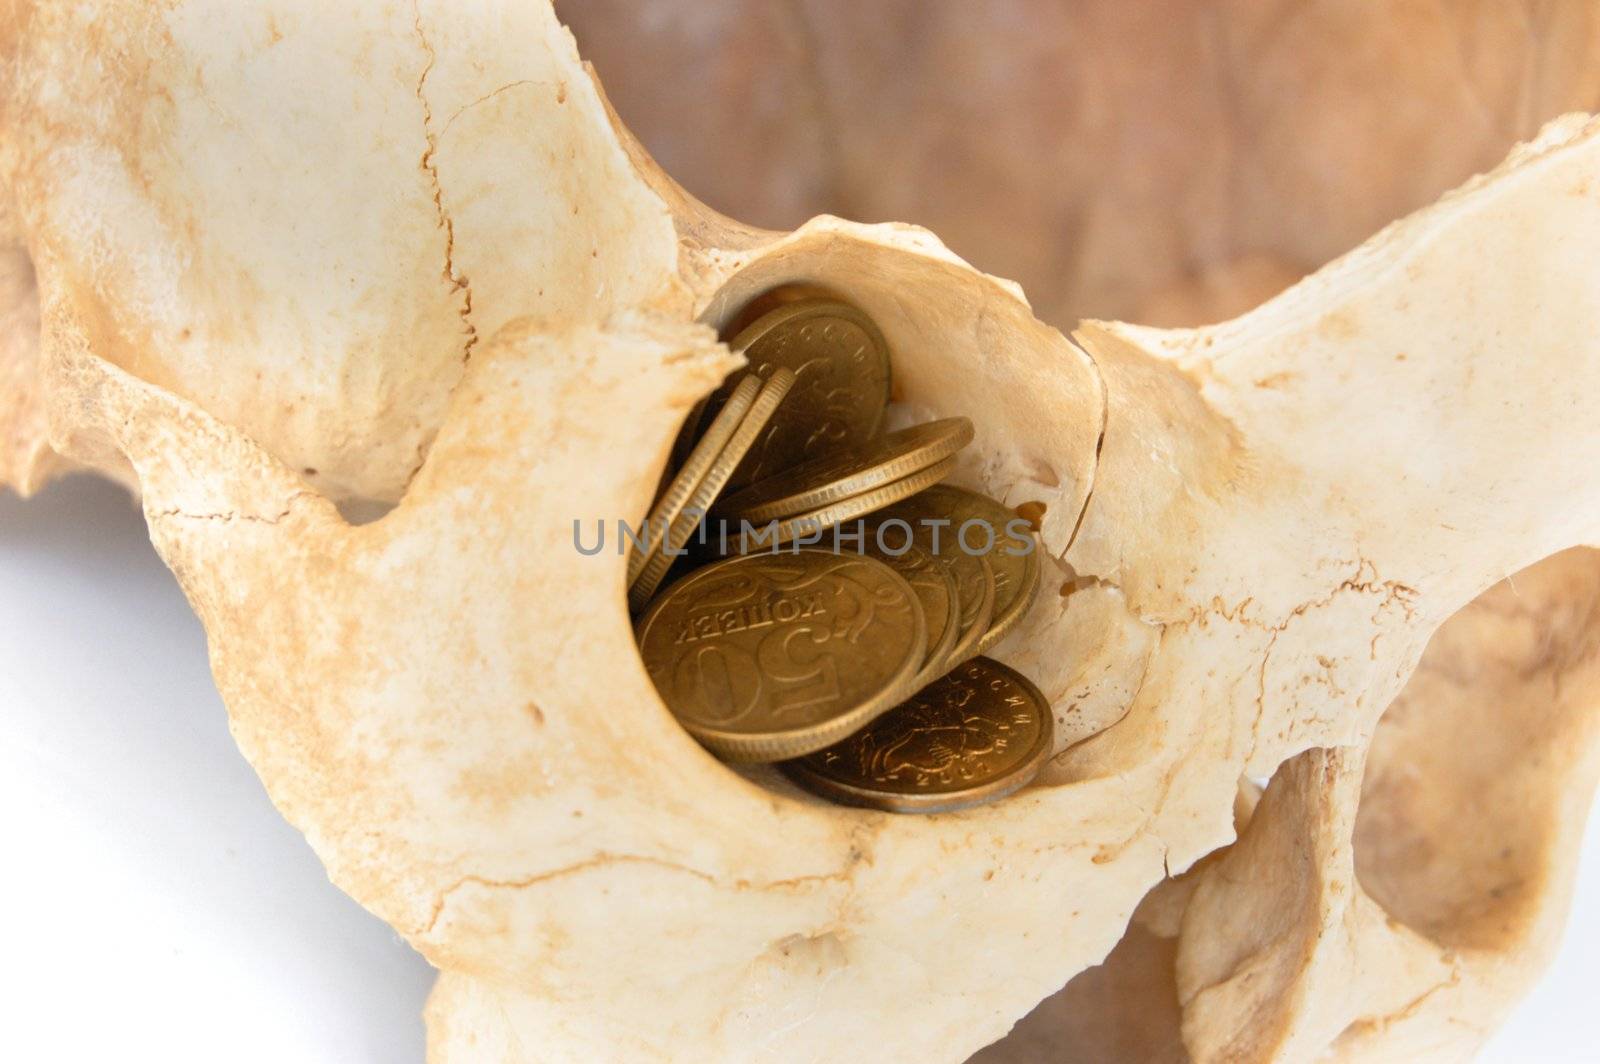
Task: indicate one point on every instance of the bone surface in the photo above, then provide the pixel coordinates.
(267, 259)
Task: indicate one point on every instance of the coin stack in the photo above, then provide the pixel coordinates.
(840, 629)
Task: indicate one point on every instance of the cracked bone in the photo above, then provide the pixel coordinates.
(466, 289)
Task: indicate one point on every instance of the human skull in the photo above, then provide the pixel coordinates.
(267, 259)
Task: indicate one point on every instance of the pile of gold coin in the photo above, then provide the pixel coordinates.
(833, 599)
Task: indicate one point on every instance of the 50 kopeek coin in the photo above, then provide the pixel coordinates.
(765, 657)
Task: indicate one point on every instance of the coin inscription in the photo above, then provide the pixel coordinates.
(763, 657)
(979, 732)
(753, 615)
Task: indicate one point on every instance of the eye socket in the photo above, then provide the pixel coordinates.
(956, 340)
(1464, 814)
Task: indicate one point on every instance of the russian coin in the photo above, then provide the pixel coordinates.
(841, 366)
(668, 548)
(841, 474)
(981, 578)
(933, 531)
(935, 589)
(692, 471)
(1009, 544)
(764, 657)
(769, 300)
(779, 532)
(773, 298)
(973, 735)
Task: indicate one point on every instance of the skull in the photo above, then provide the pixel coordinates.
(267, 260)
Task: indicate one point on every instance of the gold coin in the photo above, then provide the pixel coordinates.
(764, 657)
(842, 474)
(692, 471)
(974, 735)
(1012, 549)
(773, 534)
(771, 299)
(932, 531)
(711, 484)
(935, 589)
(841, 366)
(752, 311)
(966, 647)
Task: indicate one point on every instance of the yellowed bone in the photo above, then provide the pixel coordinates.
(288, 254)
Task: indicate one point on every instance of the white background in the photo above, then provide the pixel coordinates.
(157, 908)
